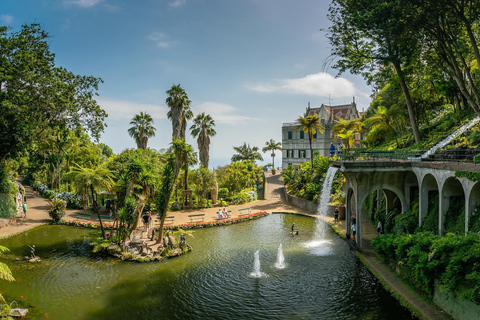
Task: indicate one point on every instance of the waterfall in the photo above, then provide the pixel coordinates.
(325, 194)
(319, 246)
(280, 258)
(451, 137)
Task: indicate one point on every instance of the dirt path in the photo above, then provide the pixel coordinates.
(274, 193)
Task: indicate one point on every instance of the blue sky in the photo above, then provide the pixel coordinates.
(250, 64)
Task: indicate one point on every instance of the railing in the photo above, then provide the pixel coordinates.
(457, 155)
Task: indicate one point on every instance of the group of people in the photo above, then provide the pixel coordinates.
(336, 151)
(223, 214)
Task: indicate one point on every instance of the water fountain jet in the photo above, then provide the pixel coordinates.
(256, 266)
(280, 258)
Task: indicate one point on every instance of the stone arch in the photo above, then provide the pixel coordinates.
(350, 208)
(451, 189)
(473, 203)
(428, 185)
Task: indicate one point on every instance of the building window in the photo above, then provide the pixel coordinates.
(289, 135)
(302, 135)
(301, 154)
(315, 135)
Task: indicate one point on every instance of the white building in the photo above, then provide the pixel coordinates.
(295, 144)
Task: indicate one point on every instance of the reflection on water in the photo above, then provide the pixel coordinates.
(322, 280)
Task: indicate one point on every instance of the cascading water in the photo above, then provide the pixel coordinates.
(280, 258)
(451, 137)
(319, 246)
(256, 266)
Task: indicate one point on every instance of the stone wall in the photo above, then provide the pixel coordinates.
(458, 308)
(301, 203)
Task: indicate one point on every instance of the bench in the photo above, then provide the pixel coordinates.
(170, 219)
(105, 217)
(81, 215)
(243, 212)
(196, 216)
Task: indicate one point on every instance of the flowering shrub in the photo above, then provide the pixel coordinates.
(207, 224)
(85, 224)
(74, 201)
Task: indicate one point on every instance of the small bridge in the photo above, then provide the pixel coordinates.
(405, 179)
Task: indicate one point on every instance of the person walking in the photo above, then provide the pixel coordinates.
(25, 209)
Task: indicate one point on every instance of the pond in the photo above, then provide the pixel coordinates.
(322, 278)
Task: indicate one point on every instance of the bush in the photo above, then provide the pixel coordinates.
(56, 209)
(423, 258)
(8, 207)
(223, 193)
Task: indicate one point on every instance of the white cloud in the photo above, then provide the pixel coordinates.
(222, 113)
(177, 3)
(84, 3)
(112, 8)
(160, 39)
(6, 19)
(318, 84)
(120, 109)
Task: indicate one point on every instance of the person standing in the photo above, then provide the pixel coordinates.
(379, 227)
(332, 150)
(335, 215)
(25, 209)
(354, 231)
(339, 151)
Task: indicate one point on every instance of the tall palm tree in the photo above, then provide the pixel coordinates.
(310, 125)
(272, 146)
(179, 112)
(142, 129)
(245, 152)
(202, 129)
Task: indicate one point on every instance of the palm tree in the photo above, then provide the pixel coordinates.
(142, 129)
(202, 129)
(343, 125)
(179, 112)
(385, 120)
(272, 146)
(96, 179)
(310, 125)
(348, 138)
(245, 152)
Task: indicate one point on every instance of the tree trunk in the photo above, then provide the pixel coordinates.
(98, 212)
(408, 99)
(310, 138)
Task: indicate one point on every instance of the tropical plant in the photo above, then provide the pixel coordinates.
(385, 120)
(56, 209)
(348, 139)
(343, 125)
(310, 125)
(246, 153)
(202, 129)
(142, 129)
(272, 146)
(5, 274)
(96, 179)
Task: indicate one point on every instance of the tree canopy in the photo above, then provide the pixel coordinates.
(35, 94)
